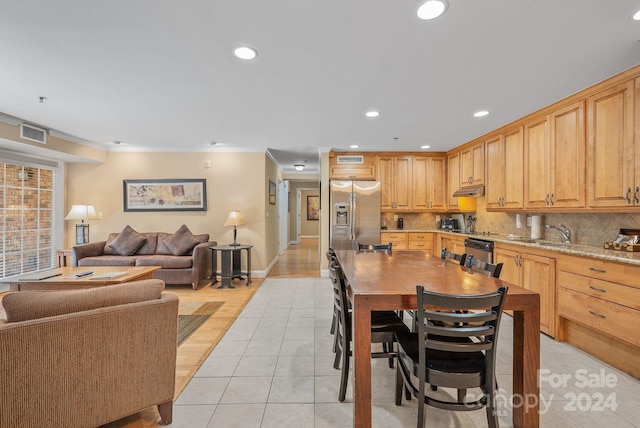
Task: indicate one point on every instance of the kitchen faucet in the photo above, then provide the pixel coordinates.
(564, 231)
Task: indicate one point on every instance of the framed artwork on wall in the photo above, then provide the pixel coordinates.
(313, 208)
(165, 195)
(272, 192)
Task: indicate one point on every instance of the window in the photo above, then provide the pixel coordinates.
(27, 236)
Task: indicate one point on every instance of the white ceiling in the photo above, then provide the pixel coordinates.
(161, 75)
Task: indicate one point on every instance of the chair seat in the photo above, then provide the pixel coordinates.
(438, 361)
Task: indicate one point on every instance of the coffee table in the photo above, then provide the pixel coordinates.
(64, 278)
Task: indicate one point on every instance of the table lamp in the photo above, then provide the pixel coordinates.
(234, 219)
(82, 212)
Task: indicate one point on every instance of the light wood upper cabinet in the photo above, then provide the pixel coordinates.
(453, 179)
(429, 183)
(472, 165)
(554, 153)
(612, 158)
(394, 173)
(357, 166)
(504, 178)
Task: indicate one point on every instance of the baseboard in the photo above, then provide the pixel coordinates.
(309, 236)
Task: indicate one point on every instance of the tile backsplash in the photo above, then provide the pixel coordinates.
(586, 228)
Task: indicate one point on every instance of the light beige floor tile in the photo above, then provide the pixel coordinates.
(256, 366)
(298, 389)
(247, 390)
(207, 390)
(192, 416)
(288, 416)
(237, 416)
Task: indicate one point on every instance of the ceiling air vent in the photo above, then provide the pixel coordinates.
(351, 160)
(32, 133)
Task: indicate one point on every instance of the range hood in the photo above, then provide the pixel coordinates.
(469, 191)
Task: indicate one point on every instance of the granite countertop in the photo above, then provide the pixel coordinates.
(581, 250)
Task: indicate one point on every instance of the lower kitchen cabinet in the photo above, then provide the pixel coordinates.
(533, 271)
(599, 310)
(452, 243)
(420, 241)
(398, 239)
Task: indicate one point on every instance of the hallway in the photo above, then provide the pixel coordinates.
(298, 261)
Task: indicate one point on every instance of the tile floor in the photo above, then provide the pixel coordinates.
(274, 368)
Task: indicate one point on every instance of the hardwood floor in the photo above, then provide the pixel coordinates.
(298, 261)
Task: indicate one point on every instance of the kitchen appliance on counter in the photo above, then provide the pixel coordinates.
(355, 213)
(400, 223)
(470, 224)
(479, 249)
(449, 224)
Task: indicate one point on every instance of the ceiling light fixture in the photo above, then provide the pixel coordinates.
(354, 146)
(425, 147)
(245, 52)
(299, 167)
(480, 113)
(432, 9)
(372, 113)
(636, 16)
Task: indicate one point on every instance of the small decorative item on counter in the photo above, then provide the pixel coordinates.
(627, 241)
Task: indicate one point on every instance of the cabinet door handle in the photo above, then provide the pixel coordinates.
(547, 199)
(635, 195)
(597, 270)
(602, 290)
(595, 314)
(553, 199)
(628, 195)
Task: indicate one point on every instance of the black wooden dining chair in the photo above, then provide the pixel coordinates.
(386, 248)
(384, 327)
(455, 347)
(454, 257)
(483, 267)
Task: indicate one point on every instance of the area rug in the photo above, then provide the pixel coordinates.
(192, 315)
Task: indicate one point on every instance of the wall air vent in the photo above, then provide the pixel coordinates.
(33, 133)
(350, 160)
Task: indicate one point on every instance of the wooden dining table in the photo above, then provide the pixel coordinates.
(380, 281)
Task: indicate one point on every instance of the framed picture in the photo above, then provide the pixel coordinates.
(272, 192)
(313, 208)
(165, 195)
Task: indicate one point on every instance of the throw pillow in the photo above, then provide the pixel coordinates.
(128, 242)
(181, 242)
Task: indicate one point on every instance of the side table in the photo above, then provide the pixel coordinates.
(231, 264)
(62, 256)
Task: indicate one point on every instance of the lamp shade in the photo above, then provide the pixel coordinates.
(234, 219)
(82, 212)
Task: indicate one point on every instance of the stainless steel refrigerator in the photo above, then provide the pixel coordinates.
(355, 213)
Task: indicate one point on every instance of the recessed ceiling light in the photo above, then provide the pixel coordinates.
(480, 113)
(372, 113)
(245, 52)
(432, 9)
(117, 142)
(425, 147)
(636, 17)
(354, 146)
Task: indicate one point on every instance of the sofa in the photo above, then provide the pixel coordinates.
(84, 358)
(184, 258)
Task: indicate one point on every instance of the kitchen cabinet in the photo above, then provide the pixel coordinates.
(534, 271)
(352, 166)
(453, 179)
(394, 173)
(472, 165)
(504, 180)
(420, 241)
(429, 183)
(452, 243)
(399, 240)
(613, 169)
(599, 309)
(554, 153)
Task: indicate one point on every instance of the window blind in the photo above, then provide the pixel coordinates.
(27, 202)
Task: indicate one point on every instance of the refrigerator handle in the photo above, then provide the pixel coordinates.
(353, 216)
